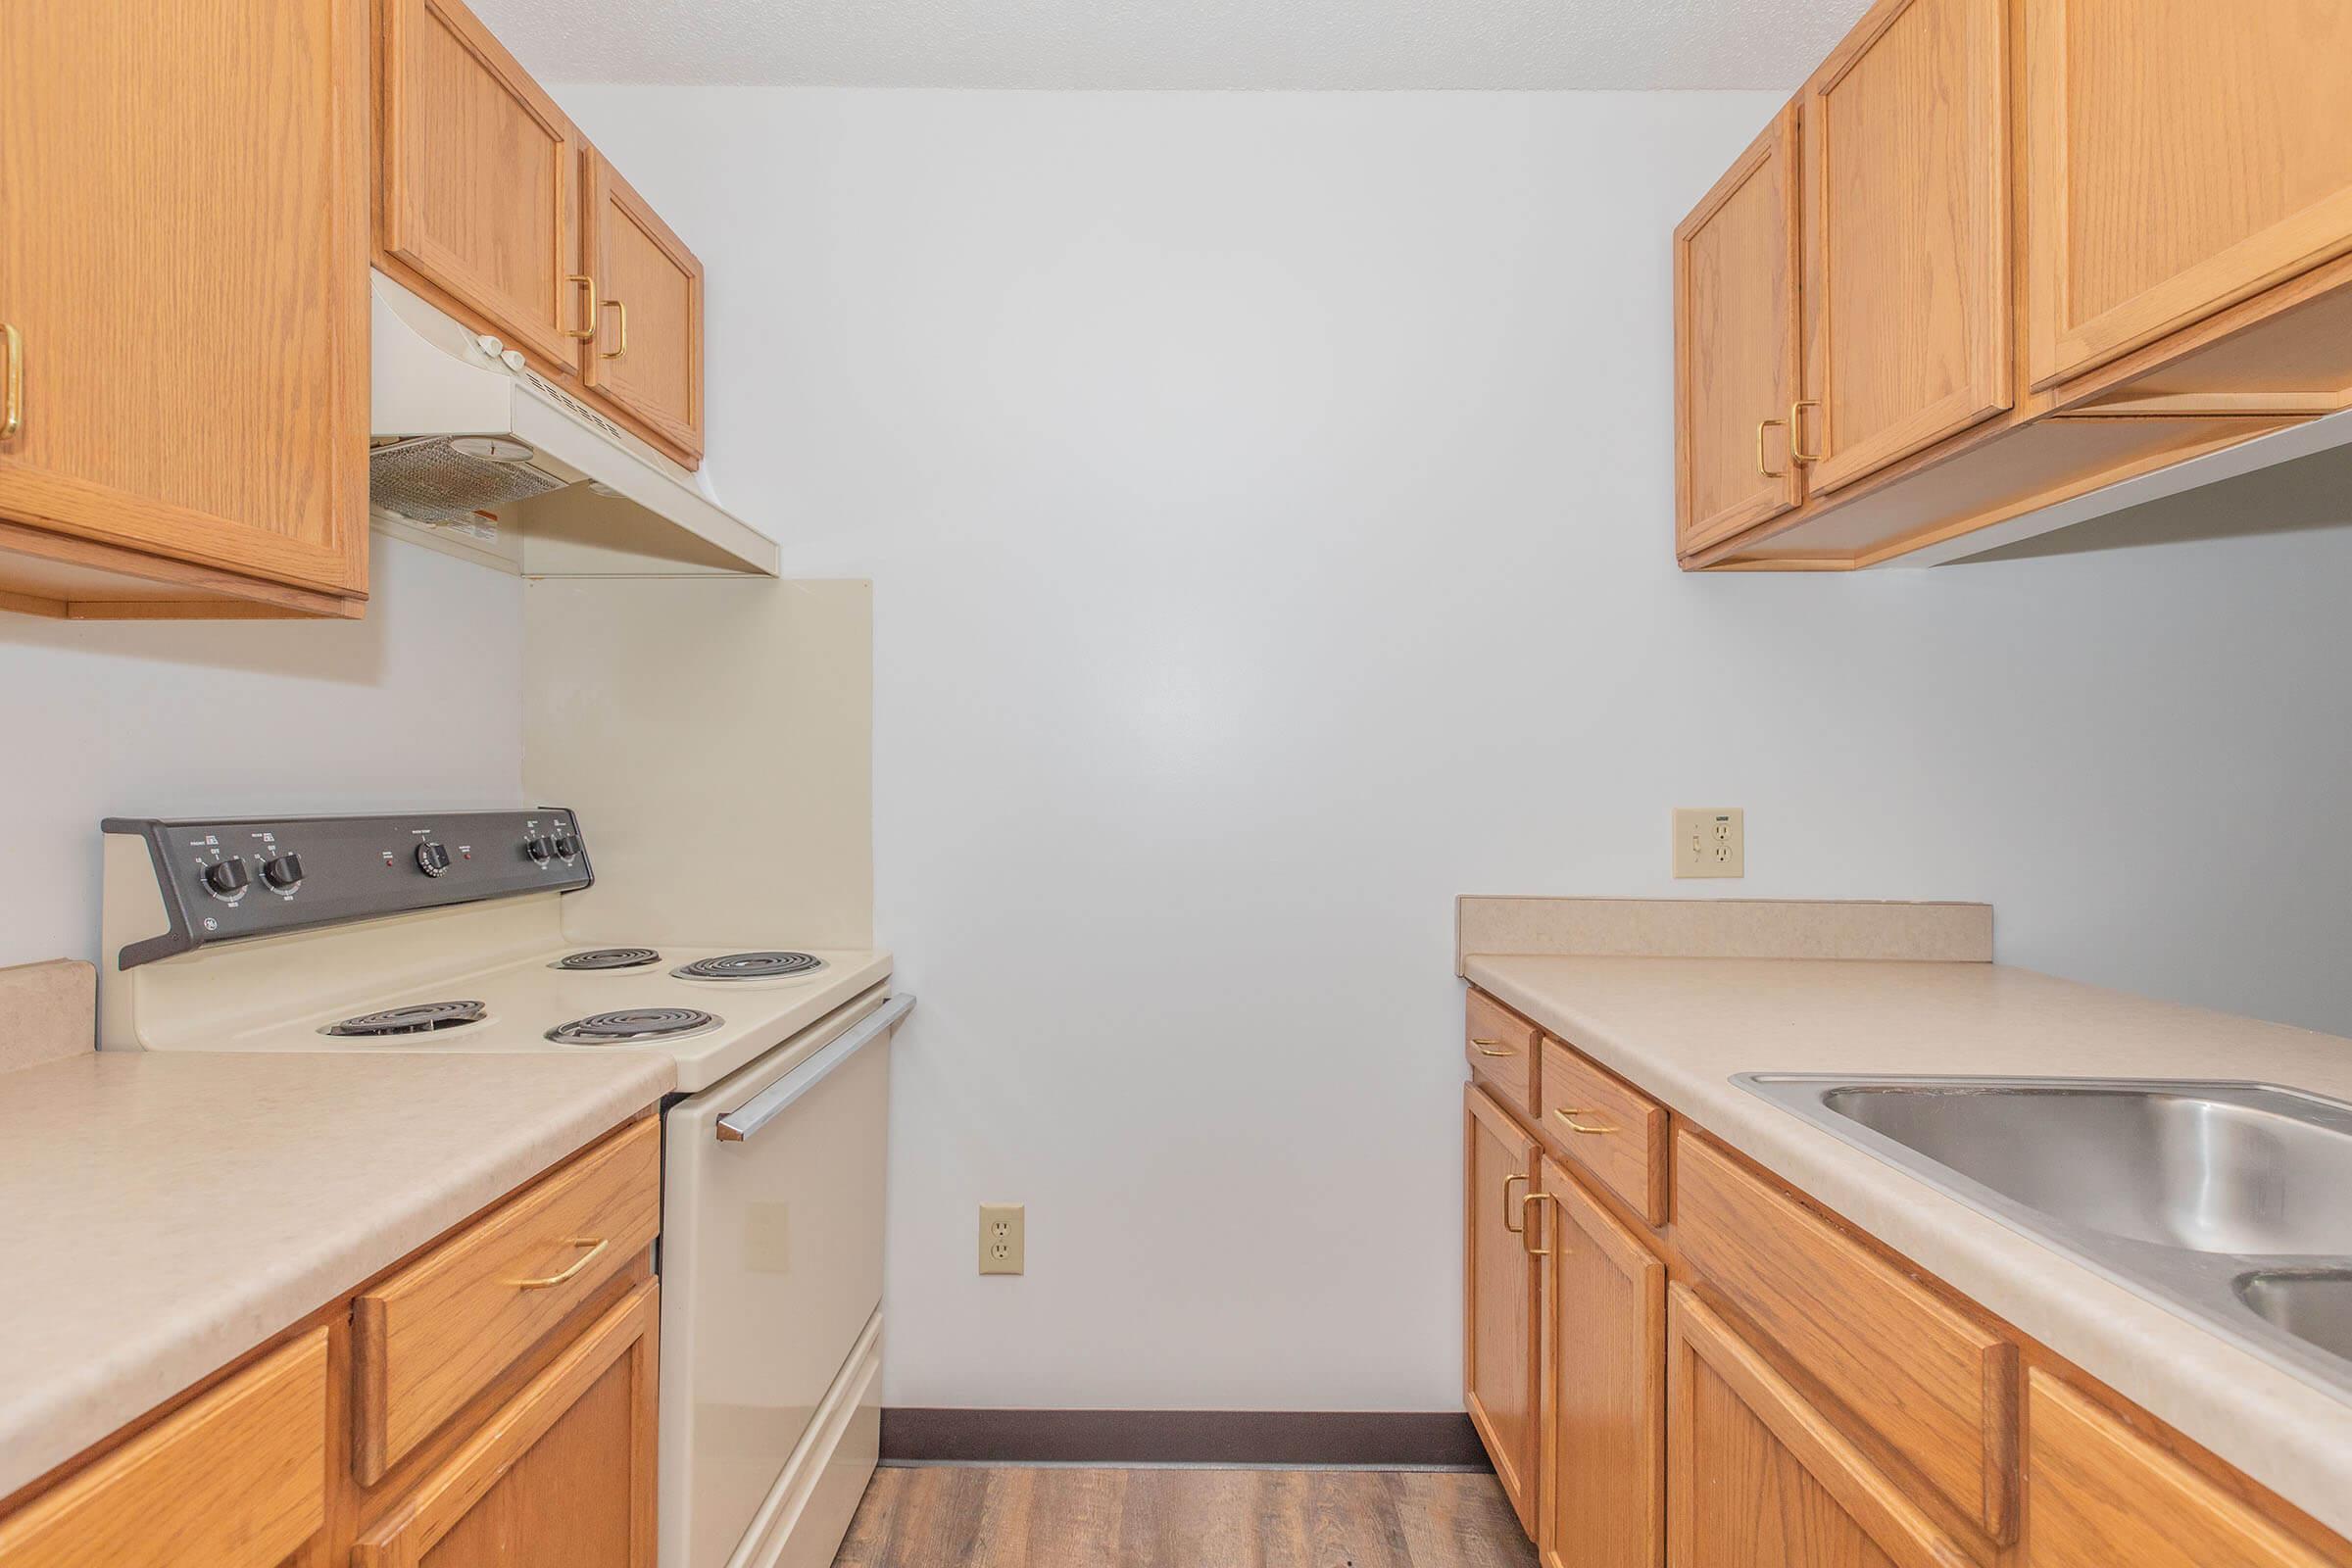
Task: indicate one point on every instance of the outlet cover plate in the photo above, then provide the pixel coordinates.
(1710, 842)
(1004, 1246)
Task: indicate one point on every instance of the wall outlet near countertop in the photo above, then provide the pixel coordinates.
(1002, 1247)
(1710, 842)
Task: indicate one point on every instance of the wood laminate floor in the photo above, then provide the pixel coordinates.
(1012, 1517)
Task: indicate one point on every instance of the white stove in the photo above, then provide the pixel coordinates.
(445, 932)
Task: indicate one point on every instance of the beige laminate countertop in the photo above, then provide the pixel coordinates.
(160, 1213)
(1681, 1028)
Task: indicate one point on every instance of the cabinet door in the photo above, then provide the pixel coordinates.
(647, 355)
(2179, 155)
(1499, 1278)
(183, 281)
(478, 172)
(1604, 1386)
(1756, 1478)
(1736, 346)
(1907, 299)
(562, 1472)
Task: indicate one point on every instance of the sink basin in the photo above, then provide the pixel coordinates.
(2229, 1201)
(2212, 1168)
(2315, 1306)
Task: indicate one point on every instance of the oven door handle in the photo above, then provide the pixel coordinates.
(745, 1119)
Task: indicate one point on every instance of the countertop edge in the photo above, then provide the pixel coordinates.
(87, 1404)
(2108, 1331)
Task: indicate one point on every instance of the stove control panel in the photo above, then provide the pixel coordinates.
(221, 879)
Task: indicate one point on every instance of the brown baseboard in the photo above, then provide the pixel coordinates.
(1379, 1438)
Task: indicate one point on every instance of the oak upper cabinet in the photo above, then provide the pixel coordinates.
(2179, 155)
(563, 1473)
(1498, 1277)
(1603, 1395)
(478, 187)
(1736, 346)
(184, 363)
(1906, 236)
(1758, 1478)
(647, 353)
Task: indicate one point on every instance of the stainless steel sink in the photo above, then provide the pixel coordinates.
(2231, 1201)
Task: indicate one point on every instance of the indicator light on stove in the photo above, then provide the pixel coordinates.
(284, 874)
(226, 878)
(540, 848)
(432, 859)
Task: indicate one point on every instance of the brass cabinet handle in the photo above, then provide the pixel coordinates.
(1797, 428)
(1485, 1048)
(1508, 1208)
(1575, 1126)
(1527, 1227)
(588, 284)
(614, 354)
(595, 1245)
(1763, 467)
(12, 396)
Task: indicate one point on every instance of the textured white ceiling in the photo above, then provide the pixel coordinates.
(1177, 43)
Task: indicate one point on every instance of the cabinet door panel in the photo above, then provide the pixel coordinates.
(647, 355)
(1907, 258)
(182, 257)
(1604, 1388)
(2181, 155)
(1756, 1478)
(1498, 1357)
(1736, 346)
(478, 165)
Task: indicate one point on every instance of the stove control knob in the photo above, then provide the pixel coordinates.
(283, 873)
(566, 845)
(432, 859)
(540, 849)
(226, 878)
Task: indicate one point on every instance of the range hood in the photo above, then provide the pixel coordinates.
(473, 452)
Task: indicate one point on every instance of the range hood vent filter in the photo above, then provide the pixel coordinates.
(437, 480)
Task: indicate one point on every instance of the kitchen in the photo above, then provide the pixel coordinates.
(1251, 482)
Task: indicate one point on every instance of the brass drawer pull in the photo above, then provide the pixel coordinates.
(1508, 1208)
(1763, 467)
(11, 397)
(620, 352)
(588, 284)
(1796, 426)
(1575, 1126)
(1486, 1048)
(595, 1244)
(1527, 1226)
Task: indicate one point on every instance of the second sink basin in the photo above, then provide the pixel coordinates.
(2212, 1167)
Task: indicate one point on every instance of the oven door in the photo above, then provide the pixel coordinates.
(771, 1266)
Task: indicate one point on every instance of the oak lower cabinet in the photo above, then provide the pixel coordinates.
(563, 1473)
(1500, 1351)
(1604, 1393)
(183, 309)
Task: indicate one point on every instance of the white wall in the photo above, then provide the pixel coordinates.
(421, 700)
(1268, 498)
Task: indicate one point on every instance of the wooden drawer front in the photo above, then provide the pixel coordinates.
(1609, 1127)
(235, 1479)
(436, 1334)
(2096, 1494)
(1935, 1386)
(1501, 1047)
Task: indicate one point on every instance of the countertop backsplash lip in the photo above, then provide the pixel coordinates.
(47, 1011)
(1600, 926)
(1681, 1028)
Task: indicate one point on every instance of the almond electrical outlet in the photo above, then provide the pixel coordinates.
(1002, 1246)
(1710, 842)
